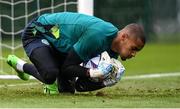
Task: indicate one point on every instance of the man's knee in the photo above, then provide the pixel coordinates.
(49, 75)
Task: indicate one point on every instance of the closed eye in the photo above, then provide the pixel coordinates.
(135, 49)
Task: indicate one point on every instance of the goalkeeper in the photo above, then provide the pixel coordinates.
(57, 43)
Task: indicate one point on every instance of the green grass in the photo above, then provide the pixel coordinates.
(143, 93)
(159, 92)
(155, 58)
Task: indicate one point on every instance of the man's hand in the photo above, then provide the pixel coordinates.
(116, 74)
(104, 67)
(108, 70)
(103, 70)
(118, 69)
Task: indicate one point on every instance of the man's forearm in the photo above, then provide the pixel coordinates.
(72, 68)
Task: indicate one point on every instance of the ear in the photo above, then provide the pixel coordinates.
(124, 36)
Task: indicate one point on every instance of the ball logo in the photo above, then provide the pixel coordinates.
(94, 65)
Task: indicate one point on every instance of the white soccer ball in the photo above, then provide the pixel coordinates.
(92, 63)
(117, 70)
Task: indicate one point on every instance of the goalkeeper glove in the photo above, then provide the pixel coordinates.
(109, 82)
(104, 67)
(118, 69)
(116, 74)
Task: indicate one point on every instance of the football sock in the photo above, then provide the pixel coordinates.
(20, 65)
(31, 70)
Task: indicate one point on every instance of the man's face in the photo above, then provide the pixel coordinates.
(129, 46)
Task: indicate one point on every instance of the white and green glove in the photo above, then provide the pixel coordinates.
(116, 74)
(104, 67)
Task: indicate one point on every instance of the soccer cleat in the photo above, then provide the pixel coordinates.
(51, 89)
(12, 60)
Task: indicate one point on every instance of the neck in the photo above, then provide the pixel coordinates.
(114, 44)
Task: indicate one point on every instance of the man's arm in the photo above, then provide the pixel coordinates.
(71, 67)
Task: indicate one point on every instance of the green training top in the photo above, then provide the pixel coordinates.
(88, 35)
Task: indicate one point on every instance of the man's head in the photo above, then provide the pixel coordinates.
(129, 41)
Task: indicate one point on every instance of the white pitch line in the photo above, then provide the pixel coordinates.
(12, 77)
(159, 75)
(20, 84)
(152, 76)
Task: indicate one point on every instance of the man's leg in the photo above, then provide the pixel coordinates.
(32, 70)
(45, 68)
(45, 64)
(48, 62)
(64, 84)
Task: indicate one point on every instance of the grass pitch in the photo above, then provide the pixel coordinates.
(149, 93)
(137, 93)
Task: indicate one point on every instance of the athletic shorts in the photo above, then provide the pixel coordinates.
(31, 42)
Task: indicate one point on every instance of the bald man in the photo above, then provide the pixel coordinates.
(57, 43)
